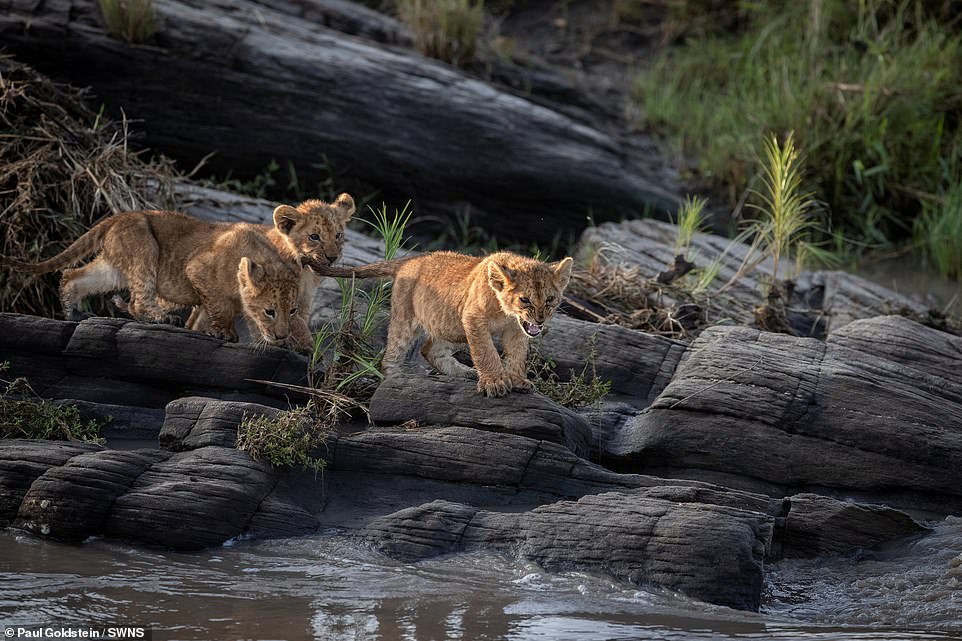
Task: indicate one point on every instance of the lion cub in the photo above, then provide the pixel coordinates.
(458, 300)
(170, 261)
(309, 234)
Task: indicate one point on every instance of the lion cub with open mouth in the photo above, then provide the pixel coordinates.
(458, 300)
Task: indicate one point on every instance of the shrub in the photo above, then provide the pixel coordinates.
(25, 415)
(579, 389)
(289, 439)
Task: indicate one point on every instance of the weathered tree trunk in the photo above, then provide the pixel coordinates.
(257, 83)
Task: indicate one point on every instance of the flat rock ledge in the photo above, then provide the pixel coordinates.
(733, 452)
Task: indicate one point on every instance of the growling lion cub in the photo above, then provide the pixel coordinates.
(460, 299)
(169, 260)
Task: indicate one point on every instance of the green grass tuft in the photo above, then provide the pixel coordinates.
(938, 230)
(579, 389)
(691, 218)
(346, 344)
(129, 20)
(25, 415)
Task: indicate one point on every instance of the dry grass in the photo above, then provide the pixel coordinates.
(626, 297)
(62, 168)
(444, 29)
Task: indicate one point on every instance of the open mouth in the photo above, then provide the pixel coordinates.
(531, 329)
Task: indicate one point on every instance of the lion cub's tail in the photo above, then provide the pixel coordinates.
(379, 269)
(89, 243)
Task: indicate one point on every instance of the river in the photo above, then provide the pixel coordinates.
(330, 587)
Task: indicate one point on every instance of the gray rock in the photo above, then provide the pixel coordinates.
(547, 165)
(22, 462)
(121, 421)
(445, 400)
(639, 365)
(874, 414)
(817, 525)
(193, 422)
(124, 363)
(709, 552)
(192, 500)
(130, 350)
(71, 502)
(836, 298)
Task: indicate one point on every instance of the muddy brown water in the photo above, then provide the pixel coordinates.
(331, 587)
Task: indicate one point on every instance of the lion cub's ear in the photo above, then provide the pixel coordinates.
(344, 206)
(499, 276)
(562, 271)
(285, 217)
(249, 272)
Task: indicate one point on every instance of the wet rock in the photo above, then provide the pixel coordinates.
(736, 422)
(72, 501)
(710, 552)
(195, 421)
(192, 500)
(817, 525)
(22, 462)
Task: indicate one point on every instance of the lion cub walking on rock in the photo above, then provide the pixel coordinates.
(458, 300)
(169, 261)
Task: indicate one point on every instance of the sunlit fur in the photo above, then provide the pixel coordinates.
(311, 234)
(171, 261)
(463, 300)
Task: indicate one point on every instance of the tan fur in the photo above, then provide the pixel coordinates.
(460, 300)
(311, 234)
(169, 260)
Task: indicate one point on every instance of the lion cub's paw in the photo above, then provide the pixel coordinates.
(222, 332)
(497, 385)
(521, 383)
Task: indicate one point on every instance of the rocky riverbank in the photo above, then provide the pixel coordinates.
(754, 446)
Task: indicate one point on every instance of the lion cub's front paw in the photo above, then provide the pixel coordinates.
(222, 332)
(521, 383)
(497, 385)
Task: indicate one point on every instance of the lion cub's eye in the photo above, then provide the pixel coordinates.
(293, 310)
(270, 313)
(525, 300)
(339, 235)
(549, 299)
(315, 237)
